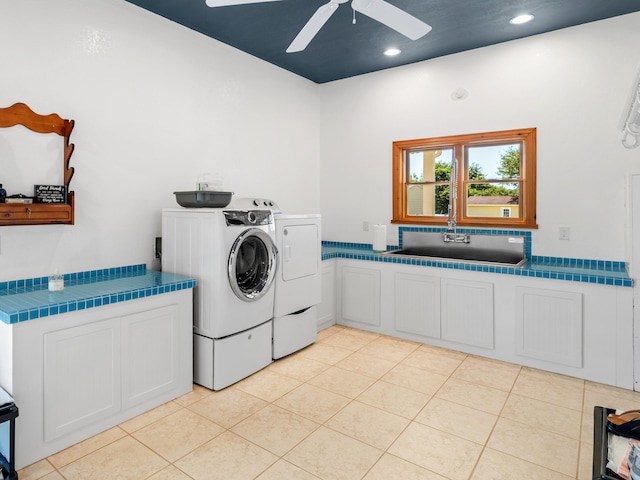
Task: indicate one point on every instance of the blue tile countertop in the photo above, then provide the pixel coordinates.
(601, 272)
(28, 299)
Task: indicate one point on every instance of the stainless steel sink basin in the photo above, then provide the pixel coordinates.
(492, 249)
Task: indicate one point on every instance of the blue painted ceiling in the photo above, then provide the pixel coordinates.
(342, 49)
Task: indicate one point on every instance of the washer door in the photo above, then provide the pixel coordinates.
(252, 264)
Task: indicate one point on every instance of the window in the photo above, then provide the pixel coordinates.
(485, 179)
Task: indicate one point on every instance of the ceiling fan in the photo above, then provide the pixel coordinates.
(379, 10)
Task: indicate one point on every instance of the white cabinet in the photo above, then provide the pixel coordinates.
(94, 371)
(360, 295)
(467, 312)
(459, 311)
(549, 325)
(584, 330)
(417, 304)
(327, 305)
(150, 360)
(77, 374)
(81, 376)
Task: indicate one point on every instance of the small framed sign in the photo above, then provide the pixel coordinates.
(49, 194)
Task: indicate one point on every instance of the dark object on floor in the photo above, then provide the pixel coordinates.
(626, 424)
(8, 413)
(600, 470)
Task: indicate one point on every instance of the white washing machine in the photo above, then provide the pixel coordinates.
(298, 282)
(232, 255)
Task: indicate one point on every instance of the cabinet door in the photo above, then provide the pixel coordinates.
(467, 312)
(81, 376)
(150, 360)
(549, 325)
(417, 304)
(327, 305)
(300, 251)
(361, 295)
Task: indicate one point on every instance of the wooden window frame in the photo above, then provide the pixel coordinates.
(527, 200)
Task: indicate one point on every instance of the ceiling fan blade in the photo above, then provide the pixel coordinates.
(393, 17)
(226, 3)
(313, 26)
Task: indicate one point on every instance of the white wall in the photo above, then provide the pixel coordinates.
(155, 104)
(570, 84)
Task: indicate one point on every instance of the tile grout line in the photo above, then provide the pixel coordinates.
(410, 421)
(498, 416)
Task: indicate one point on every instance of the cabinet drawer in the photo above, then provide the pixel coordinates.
(26, 214)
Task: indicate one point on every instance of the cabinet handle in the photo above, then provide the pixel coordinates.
(28, 210)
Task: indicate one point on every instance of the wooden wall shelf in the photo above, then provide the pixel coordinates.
(40, 213)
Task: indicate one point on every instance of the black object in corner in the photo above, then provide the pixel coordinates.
(8, 413)
(600, 445)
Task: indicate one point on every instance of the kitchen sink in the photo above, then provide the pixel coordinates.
(477, 248)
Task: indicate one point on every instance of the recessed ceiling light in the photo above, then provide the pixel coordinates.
(520, 19)
(390, 52)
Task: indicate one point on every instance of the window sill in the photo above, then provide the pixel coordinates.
(478, 223)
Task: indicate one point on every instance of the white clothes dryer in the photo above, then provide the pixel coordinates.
(298, 282)
(232, 255)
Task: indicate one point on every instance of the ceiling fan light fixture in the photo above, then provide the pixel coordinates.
(520, 19)
(392, 52)
(379, 10)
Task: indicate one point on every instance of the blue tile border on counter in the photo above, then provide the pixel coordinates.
(602, 272)
(28, 299)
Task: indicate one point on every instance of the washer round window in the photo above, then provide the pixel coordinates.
(252, 264)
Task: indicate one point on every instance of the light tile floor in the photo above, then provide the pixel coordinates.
(357, 405)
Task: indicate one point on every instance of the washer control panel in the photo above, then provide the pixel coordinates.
(250, 203)
(248, 217)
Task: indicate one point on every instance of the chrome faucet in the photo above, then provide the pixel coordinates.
(452, 235)
(451, 220)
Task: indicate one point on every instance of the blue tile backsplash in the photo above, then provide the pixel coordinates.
(28, 299)
(603, 272)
